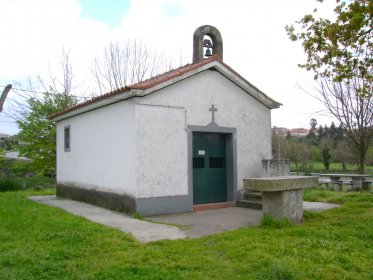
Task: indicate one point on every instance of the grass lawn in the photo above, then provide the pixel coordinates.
(41, 242)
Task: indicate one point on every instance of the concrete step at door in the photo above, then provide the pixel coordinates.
(252, 195)
(249, 204)
(251, 199)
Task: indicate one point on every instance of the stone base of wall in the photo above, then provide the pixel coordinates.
(127, 204)
(113, 201)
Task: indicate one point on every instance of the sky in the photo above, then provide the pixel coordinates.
(34, 32)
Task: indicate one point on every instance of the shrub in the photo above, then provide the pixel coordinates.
(9, 184)
(22, 168)
(15, 184)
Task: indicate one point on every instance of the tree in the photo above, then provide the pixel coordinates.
(314, 153)
(311, 136)
(320, 133)
(298, 153)
(126, 64)
(342, 153)
(340, 49)
(39, 132)
(313, 124)
(353, 111)
(340, 53)
(325, 147)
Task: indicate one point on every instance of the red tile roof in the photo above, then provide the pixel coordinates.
(141, 85)
(173, 74)
(153, 82)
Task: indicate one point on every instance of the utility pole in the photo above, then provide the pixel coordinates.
(4, 95)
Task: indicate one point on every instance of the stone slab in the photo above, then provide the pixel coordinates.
(193, 224)
(282, 183)
(141, 230)
(198, 224)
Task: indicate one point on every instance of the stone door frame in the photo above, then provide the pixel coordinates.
(231, 156)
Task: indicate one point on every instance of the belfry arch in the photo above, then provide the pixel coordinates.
(198, 42)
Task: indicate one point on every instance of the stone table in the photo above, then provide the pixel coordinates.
(357, 181)
(282, 196)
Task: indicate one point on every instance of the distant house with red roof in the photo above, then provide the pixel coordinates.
(168, 144)
(299, 132)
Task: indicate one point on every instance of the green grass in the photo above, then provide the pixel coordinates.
(41, 242)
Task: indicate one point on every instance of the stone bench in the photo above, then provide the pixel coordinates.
(353, 181)
(282, 196)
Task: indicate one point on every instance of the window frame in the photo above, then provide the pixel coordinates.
(67, 138)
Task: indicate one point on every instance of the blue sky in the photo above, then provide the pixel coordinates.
(34, 32)
(110, 12)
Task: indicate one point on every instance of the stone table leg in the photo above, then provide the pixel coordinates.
(357, 184)
(337, 186)
(284, 204)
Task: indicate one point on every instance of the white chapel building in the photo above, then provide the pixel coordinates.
(169, 144)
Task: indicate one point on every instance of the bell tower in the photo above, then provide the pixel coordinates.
(209, 38)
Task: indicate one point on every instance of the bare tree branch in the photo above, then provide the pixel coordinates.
(128, 63)
(345, 101)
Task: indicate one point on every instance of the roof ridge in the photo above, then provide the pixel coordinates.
(176, 70)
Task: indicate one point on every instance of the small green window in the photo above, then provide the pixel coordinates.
(67, 138)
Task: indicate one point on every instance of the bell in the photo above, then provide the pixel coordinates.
(208, 52)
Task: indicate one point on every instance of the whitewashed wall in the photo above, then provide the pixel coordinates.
(236, 109)
(162, 160)
(141, 150)
(103, 147)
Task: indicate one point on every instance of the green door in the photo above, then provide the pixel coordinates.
(209, 168)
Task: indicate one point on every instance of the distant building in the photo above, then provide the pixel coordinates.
(295, 132)
(299, 132)
(281, 131)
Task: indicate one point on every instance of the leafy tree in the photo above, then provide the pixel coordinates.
(38, 132)
(313, 124)
(298, 153)
(342, 153)
(339, 49)
(340, 53)
(315, 153)
(320, 133)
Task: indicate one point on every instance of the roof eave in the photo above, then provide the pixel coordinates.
(104, 102)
